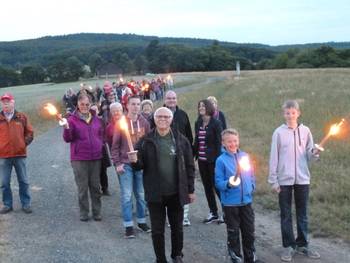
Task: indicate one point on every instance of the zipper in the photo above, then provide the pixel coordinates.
(295, 158)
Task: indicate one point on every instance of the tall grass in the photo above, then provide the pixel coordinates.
(252, 105)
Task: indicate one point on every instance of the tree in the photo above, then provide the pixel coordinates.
(95, 61)
(74, 69)
(8, 77)
(32, 74)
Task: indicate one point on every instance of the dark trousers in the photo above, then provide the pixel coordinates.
(207, 173)
(240, 219)
(301, 197)
(169, 205)
(103, 178)
(87, 178)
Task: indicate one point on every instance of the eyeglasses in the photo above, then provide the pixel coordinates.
(166, 117)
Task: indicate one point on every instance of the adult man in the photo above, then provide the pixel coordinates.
(15, 134)
(130, 180)
(166, 158)
(182, 123)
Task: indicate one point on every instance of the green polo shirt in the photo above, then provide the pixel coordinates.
(167, 164)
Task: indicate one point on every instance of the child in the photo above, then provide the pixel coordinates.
(291, 150)
(236, 199)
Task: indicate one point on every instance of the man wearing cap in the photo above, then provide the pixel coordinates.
(15, 134)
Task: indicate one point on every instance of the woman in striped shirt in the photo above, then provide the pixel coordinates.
(207, 147)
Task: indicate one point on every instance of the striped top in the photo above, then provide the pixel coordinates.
(201, 143)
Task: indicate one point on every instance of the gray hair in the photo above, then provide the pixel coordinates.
(115, 105)
(166, 109)
(230, 131)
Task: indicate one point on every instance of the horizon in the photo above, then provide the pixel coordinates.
(243, 43)
(270, 22)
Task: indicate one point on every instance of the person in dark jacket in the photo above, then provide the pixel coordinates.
(206, 148)
(84, 131)
(168, 169)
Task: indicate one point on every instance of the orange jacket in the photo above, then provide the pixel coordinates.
(15, 135)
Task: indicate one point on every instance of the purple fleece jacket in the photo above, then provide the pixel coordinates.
(85, 140)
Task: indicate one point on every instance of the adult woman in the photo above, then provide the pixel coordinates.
(206, 148)
(84, 132)
(147, 110)
(219, 115)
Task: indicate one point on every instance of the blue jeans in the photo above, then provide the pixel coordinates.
(6, 165)
(301, 198)
(131, 181)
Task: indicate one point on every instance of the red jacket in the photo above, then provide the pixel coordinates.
(15, 135)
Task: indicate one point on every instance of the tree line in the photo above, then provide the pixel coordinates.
(156, 57)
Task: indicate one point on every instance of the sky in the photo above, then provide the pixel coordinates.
(272, 22)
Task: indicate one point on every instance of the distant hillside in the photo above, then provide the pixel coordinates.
(41, 51)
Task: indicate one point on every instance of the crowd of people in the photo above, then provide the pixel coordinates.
(154, 159)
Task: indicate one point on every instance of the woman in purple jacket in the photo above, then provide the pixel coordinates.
(84, 132)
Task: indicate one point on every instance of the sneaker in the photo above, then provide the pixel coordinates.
(186, 222)
(211, 218)
(234, 257)
(144, 228)
(5, 210)
(287, 254)
(97, 217)
(177, 259)
(106, 192)
(308, 252)
(221, 220)
(84, 218)
(27, 210)
(129, 232)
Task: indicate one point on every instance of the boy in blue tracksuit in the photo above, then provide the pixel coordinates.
(236, 199)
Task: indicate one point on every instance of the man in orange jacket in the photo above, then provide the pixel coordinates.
(15, 134)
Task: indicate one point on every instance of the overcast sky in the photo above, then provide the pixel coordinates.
(271, 22)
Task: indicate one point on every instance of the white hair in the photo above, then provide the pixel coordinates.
(115, 105)
(163, 108)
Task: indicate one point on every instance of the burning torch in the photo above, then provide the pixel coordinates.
(243, 165)
(51, 109)
(335, 128)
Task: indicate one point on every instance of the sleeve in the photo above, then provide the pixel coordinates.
(139, 148)
(223, 120)
(68, 134)
(188, 129)
(28, 132)
(220, 182)
(116, 147)
(309, 148)
(218, 131)
(274, 158)
(189, 164)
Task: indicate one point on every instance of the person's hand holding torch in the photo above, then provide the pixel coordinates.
(51, 109)
(335, 128)
(243, 165)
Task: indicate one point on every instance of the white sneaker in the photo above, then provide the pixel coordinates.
(287, 254)
(186, 222)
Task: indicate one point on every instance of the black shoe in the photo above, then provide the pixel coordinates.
(234, 258)
(106, 192)
(144, 228)
(5, 210)
(129, 232)
(211, 218)
(97, 217)
(84, 218)
(177, 259)
(27, 210)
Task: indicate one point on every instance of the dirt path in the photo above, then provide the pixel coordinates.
(53, 233)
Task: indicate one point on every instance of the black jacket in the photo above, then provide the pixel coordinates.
(212, 139)
(148, 159)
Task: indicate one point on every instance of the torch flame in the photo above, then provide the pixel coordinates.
(51, 109)
(244, 163)
(123, 124)
(335, 128)
(168, 77)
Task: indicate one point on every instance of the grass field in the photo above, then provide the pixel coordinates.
(252, 105)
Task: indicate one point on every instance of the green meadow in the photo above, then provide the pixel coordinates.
(252, 105)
